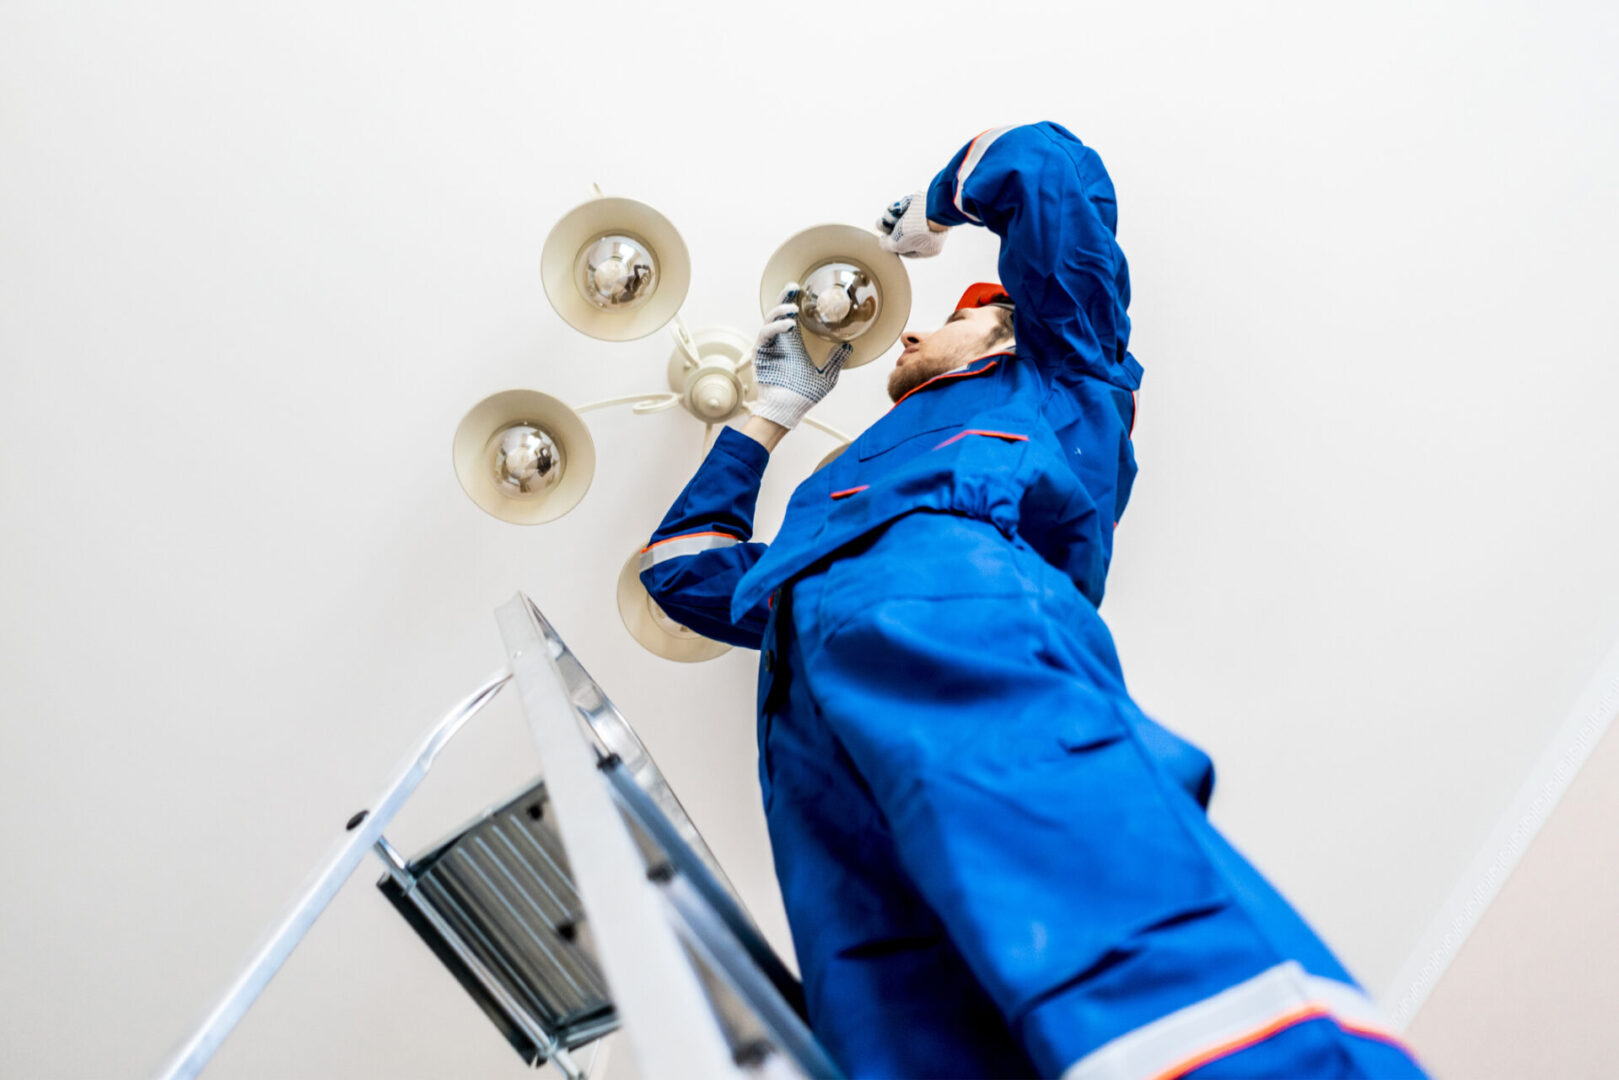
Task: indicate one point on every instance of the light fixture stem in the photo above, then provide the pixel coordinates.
(643, 403)
(662, 402)
(683, 338)
(829, 429)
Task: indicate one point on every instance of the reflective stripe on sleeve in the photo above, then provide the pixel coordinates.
(1232, 1020)
(689, 544)
(975, 154)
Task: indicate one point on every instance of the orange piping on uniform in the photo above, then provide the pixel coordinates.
(846, 492)
(946, 375)
(1242, 1042)
(1313, 1011)
(1374, 1033)
(968, 156)
(1007, 435)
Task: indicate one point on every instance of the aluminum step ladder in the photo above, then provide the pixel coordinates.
(587, 903)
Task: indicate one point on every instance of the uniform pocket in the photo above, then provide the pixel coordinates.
(880, 440)
(921, 555)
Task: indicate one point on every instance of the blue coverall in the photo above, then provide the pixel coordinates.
(992, 862)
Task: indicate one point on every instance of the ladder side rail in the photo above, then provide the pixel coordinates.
(664, 1013)
(707, 935)
(644, 808)
(334, 871)
(614, 736)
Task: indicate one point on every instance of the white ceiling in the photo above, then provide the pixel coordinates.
(257, 261)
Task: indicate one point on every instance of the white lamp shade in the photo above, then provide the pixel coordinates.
(476, 456)
(823, 244)
(656, 631)
(603, 217)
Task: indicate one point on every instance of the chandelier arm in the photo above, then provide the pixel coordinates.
(644, 403)
(662, 402)
(829, 429)
(683, 338)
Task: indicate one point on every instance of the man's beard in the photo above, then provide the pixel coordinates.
(902, 380)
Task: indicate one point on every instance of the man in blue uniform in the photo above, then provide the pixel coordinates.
(993, 863)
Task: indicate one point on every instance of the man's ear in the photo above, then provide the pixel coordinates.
(998, 342)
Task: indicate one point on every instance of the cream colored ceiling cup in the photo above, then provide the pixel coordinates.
(708, 373)
(853, 290)
(615, 269)
(833, 455)
(524, 456)
(650, 625)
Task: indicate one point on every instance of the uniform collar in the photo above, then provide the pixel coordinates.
(972, 367)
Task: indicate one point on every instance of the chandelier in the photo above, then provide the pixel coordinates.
(617, 270)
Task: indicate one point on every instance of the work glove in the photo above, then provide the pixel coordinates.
(789, 382)
(905, 224)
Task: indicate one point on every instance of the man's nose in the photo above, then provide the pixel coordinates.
(911, 337)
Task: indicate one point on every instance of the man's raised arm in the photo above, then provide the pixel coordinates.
(1050, 200)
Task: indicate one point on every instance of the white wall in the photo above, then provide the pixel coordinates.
(1532, 992)
(255, 262)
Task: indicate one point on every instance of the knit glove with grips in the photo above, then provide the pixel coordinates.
(906, 226)
(789, 382)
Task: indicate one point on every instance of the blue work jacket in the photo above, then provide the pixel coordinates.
(1035, 441)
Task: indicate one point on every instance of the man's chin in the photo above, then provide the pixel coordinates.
(902, 380)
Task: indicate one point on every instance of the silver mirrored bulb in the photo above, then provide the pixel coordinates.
(617, 272)
(526, 461)
(839, 300)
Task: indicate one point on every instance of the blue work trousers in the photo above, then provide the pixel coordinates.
(993, 863)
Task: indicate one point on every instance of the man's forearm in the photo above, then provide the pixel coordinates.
(767, 433)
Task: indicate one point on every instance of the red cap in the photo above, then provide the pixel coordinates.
(983, 294)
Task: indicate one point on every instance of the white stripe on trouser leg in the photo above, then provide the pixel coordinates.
(975, 154)
(1242, 1011)
(676, 546)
